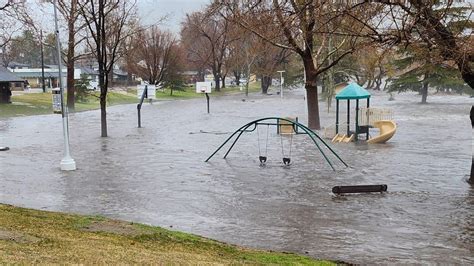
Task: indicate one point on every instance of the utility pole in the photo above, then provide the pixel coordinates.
(42, 62)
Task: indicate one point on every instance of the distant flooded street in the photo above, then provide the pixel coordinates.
(157, 175)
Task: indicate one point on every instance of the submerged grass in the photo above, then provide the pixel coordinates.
(49, 237)
(41, 103)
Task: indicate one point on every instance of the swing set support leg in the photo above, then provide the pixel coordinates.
(227, 140)
(319, 148)
(325, 144)
(235, 141)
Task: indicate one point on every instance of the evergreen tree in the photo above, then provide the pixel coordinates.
(422, 69)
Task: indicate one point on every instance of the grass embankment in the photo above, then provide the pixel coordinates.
(31, 236)
(41, 103)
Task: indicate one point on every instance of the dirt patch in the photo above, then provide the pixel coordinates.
(18, 237)
(115, 227)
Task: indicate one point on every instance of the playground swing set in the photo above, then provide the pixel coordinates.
(284, 126)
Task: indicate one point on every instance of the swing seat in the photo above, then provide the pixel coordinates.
(262, 159)
(286, 161)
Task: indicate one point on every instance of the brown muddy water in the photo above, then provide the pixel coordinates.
(157, 175)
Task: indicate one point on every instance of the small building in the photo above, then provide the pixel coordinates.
(190, 77)
(16, 65)
(34, 76)
(120, 76)
(89, 73)
(8, 81)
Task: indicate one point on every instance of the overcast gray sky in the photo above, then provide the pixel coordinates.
(175, 10)
(150, 12)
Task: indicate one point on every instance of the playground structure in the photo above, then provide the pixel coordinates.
(365, 118)
(284, 126)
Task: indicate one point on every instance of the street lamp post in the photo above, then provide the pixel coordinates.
(281, 82)
(67, 163)
(42, 61)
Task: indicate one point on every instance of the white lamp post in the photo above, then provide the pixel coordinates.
(281, 82)
(67, 163)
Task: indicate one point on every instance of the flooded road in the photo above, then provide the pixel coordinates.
(157, 175)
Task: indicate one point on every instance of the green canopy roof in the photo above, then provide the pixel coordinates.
(353, 91)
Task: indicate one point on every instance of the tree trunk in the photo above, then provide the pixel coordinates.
(370, 84)
(217, 80)
(313, 107)
(266, 81)
(201, 75)
(312, 93)
(223, 82)
(378, 80)
(70, 81)
(323, 86)
(424, 92)
(103, 102)
(237, 75)
(70, 57)
(111, 76)
(471, 179)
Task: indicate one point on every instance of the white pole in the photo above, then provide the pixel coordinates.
(281, 83)
(67, 163)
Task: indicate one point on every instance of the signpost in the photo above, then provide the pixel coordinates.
(204, 87)
(56, 92)
(151, 91)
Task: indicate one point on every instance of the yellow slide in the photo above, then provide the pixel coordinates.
(387, 130)
(343, 138)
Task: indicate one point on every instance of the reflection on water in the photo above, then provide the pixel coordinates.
(156, 175)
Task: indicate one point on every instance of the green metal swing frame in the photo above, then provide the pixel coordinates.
(275, 121)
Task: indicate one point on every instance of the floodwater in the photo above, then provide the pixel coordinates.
(157, 175)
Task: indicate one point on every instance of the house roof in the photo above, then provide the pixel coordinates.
(353, 91)
(119, 72)
(54, 66)
(7, 76)
(37, 74)
(89, 71)
(16, 64)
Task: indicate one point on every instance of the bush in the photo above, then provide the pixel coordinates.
(82, 90)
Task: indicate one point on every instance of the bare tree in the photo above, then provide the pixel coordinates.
(70, 12)
(270, 59)
(206, 36)
(109, 23)
(152, 57)
(304, 28)
(10, 24)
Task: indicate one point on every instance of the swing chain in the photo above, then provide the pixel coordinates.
(286, 160)
(262, 159)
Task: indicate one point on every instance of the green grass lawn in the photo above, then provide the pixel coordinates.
(30, 237)
(41, 103)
